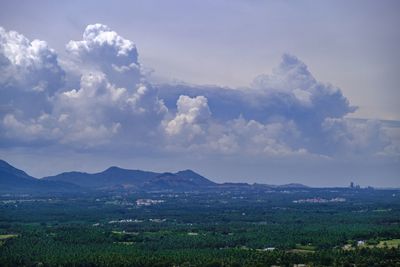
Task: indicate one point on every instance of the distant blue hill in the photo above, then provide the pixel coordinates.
(118, 178)
(13, 180)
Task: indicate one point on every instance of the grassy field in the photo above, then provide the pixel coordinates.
(392, 243)
(303, 249)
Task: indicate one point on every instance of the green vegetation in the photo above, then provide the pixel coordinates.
(217, 228)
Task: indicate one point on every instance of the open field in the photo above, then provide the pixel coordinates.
(393, 243)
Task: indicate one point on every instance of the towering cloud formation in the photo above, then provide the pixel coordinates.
(102, 49)
(294, 92)
(111, 99)
(113, 106)
(290, 92)
(29, 74)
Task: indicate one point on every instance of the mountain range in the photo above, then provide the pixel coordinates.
(13, 180)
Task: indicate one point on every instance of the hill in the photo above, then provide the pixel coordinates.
(118, 178)
(13, 180)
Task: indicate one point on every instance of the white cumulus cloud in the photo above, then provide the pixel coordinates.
(104, 50)
(29, 74)
(191, 118)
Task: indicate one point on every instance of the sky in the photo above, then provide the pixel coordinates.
(247, 91)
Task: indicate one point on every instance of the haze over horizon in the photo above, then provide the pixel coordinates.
(240, 91)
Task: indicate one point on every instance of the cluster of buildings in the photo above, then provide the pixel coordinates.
(357, 186)
(319, 200)
(354, 186)
(148, 202)
(125, 221)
